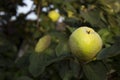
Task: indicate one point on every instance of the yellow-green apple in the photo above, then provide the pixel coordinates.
(43, 43)
(85, 43)
(54, 15)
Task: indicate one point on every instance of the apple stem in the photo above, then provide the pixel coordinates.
(88, 32)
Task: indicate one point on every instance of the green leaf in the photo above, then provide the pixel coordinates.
(23, 61)
(69, 7)
(64, 70)
(39, 62)
(24, 78)
(62, 49)
(95, 71)
(75, 68)
(106, 35)
(71, 29)
(116, 30)
(93, 17)
(112, 21)
(109, 52)
(115, 62)
(56, 1)
(58, 36)
(2, 75)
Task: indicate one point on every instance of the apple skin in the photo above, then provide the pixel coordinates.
(43, 43)
(54, 15)
(85, 43)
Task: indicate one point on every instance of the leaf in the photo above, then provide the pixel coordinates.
(106, 35)
(116, 30)
(23, 61)
(75, 68)
(24, 78)
(39, 62)
(93, 17)
(95, 71)
(71, 29)
(2, 75)
(56, 1)
(62, 49)
(112, 21)
(109, 52)
(116, 64)
(59, 36)
(69, 7)
(64, 70)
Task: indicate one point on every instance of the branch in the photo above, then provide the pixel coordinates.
(23, 48)
(38, 14)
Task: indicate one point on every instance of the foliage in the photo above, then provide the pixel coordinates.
(18, 38)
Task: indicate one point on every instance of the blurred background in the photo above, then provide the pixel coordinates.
(27, 54)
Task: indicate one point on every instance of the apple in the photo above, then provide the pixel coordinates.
(53, 15)
(85, 43)
(43, 43)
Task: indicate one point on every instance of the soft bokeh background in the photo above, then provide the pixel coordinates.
(24, 22)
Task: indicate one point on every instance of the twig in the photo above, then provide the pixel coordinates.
(23, 48)
(38, 14)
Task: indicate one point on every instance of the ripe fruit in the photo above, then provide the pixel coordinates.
(53, 15)
(43, 43)
(85, 43)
